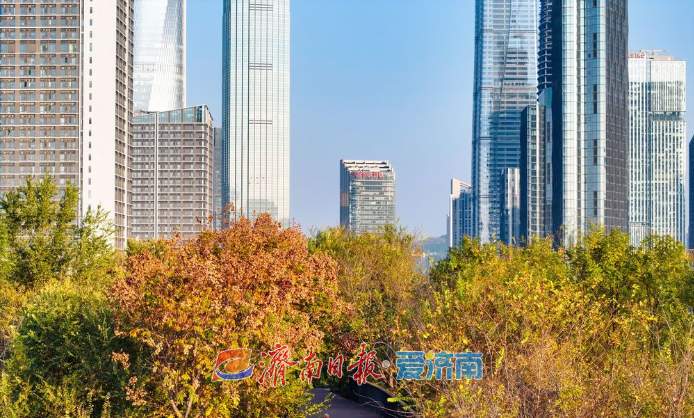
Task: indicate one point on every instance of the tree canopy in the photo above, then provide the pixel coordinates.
(600, 329)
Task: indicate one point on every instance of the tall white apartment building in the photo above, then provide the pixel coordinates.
(255, 103)
(66, 99)
(657, 135)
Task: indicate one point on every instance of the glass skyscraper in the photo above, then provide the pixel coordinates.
(159, 70)
(589, 133)
(459, 213)
(367, 195)
(255, 102)
(657, 105)
(506, 43)
(575, 158)
(510, 206)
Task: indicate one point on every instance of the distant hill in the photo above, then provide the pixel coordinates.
(435, 248)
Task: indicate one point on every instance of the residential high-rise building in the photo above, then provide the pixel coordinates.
(367, 195)
(255, 120)
(218, 204)
(506, 44)
(582, 124)
(657, 134)
(160, 55)
(173, 173)
(66, 99)
(690, 233)
(510, 204)
(459, 213)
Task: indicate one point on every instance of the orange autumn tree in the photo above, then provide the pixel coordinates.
(250, 286)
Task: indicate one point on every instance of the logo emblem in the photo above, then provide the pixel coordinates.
(232, 365)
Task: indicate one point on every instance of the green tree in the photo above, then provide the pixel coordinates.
(381, 281)
(47, 255)
(44, 240)
(62, 356)
(568, 333)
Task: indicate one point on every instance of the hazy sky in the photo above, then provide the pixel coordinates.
(390, 79)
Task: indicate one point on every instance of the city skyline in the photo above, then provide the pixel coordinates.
(419, 117)
(418, 146)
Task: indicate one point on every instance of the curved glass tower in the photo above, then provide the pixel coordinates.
(506, 40)
(159, 71)
(255, 106)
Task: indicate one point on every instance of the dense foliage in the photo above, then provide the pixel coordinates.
(601, 329)
(252, 285)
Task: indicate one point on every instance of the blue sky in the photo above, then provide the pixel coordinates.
(390, 79)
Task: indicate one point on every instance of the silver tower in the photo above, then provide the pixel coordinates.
(505, 83)
(160, 55)
(255, 101)
(658, 129)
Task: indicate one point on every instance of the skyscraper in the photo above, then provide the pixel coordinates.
(590, 116)
(160, 55)
(533, 187)
(582, 122)
(510, 206)
(173, 173)
(505, 83)
(367, 195)
(657, 105)
(459, 213)
(66, 99)
(255, 101)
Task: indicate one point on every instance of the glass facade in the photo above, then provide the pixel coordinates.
(588, 126)
(657, 105)
(506, 44)
(172, 173)
(544, 59)
(459, 212)
(367, 195)
(532, 173)
(160, 55)
(255, 122)
(510, 204)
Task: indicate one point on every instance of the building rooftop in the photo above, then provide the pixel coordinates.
(653, 55)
